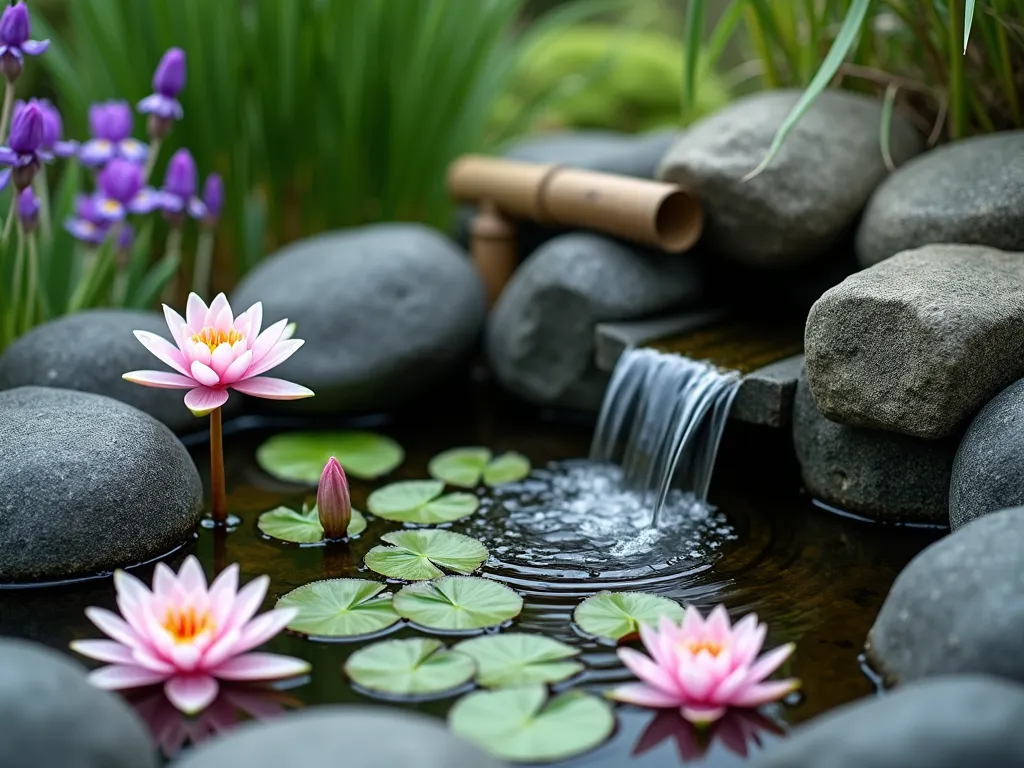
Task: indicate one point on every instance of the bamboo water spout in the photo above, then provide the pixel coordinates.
(653, 213)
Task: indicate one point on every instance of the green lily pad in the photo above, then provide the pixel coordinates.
(521, 725)
(615, 615)
(455, 603)
(466, 467)
(299, 457)
(421, 554)
(340, 608)
(303, 527)
(420, 501)
(409, 667)
(519, 659)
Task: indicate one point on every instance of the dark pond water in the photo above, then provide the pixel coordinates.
(817, 578)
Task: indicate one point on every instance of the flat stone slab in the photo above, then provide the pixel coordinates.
(765, 396)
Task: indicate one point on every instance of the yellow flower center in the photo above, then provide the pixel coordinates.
(110, 206)
(696, 646)
(214, 338)
(185, 625)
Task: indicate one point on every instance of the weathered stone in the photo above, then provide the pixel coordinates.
(367, 737)
(51, 716)
(880, 475)
(918, 343)
(957, 607)
(949, 722)
(968, 191)
(540, 335)
(766, 395)
(386, 311)
(88, 351)
(988, 473)
(794, 211)
(88, 484)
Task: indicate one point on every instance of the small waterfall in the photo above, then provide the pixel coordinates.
(671, 412)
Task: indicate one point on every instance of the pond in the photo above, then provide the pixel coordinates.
(816, 578)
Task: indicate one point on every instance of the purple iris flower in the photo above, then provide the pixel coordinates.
(168, 81)
(122, 191)
(28, 209)
(213, 197)
(24, 153)
(178, 194)
(53, 128)
(87, 225)
(111, 125)
(15, 30)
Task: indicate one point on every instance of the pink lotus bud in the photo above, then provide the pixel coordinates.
(333, 503)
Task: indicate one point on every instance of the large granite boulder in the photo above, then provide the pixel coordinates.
(949, 722)
(51, 716)
(88, 484)
(988, 474)
(326, 736)
(958, 606)
(88, 351)
(968, 191)
(541, 333)
(918, 343)
(879, 475)
(808, 199)
(386, 311)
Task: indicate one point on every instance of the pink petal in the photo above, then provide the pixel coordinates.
(175, 324)
(717, 626)
(249, 599)
(222, 357)
(694, 678)
(195, 313)
(114, 626)
(272, 389)
(163, 580)
(191, 576)
(118, 676)
(223, 648)
(237, 369)
(224, 320)
(643, 696)
(281, 352)
(134, 591)
(255, 319)
(202, 400)
(693, 624)
(769, 663)
(159, 379)
(166, 352)
(195, 350)
(186, 656)
(289, 331)
(264, 627)
(756, 695)
(104, 650)
(653, 643)
(725, 692)
(204, 374)
(261, 666)
(220, 301)
(191, 693)
(144, 657)
(748, 646)
(700, 715)
(222, 593)
(266, 340)
(648, 671)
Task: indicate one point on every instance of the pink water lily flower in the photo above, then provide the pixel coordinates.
(216, 351)
(703, 667)
(186, 636)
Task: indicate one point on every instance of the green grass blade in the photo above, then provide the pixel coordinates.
(968, 20)
(840, 47)
(694, 35)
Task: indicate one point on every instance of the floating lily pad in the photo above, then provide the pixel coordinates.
(418, 555)
(466, 467)
(420, 501)
(615, 615)
(340, 608)
(521, 725)
(519, 659)
(409, 667)
(458, 603)
(302, 527)
(299, 457)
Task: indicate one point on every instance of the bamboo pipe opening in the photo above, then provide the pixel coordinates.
(679, 221)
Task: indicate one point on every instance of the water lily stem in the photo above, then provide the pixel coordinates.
(43, 193)
(220, 494)
(5, 115)
(12, 214)
(33, 283)
(204, 263)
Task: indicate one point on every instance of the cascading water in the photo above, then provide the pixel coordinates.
(671, 412)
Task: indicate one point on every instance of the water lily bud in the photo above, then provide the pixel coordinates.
(333, 503)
